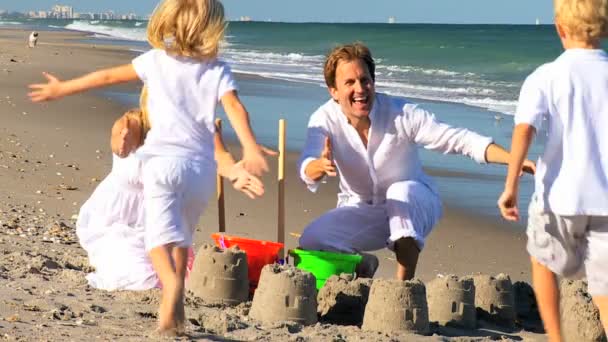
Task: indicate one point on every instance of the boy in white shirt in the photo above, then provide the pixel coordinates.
(568, 215)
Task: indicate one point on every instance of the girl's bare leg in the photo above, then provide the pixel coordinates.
(162, 261)
(180, 256)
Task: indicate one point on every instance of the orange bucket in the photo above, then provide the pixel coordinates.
(259, 253)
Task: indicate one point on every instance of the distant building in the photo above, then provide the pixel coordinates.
(391, 20)
(245, 18)
(62, 12)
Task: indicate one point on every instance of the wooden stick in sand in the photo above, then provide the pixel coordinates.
(281, 179)
(221, 208)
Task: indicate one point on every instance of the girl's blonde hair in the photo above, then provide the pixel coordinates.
(189, 28)
(143, 105)
(584, 20)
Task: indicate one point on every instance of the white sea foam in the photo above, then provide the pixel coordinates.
(127, 33)
(10, 23)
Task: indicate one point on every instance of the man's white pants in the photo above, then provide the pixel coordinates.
(411, 210)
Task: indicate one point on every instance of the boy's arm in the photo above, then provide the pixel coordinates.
(522, 138)
(253, 158)
(55, 89)
(496, 154)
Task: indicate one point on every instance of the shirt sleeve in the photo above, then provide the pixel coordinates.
(425, 130)
(143, 64)
(315, 141)
(532, 104)
(227, 82)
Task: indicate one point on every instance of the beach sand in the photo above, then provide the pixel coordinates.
(53, 155)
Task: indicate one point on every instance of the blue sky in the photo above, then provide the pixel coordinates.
(422, 11)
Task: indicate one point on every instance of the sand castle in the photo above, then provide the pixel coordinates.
(285, 293)
(451, 301)
(580, 318)
(220, 276)
(495, 300)
(343, 299)
(397, 306)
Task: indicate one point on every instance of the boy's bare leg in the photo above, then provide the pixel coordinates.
(180, 255)
(547, 296)
(406, 251)
(602, 303)
(162, 262)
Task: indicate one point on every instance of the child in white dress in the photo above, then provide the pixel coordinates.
(110, 224)
(185, 81)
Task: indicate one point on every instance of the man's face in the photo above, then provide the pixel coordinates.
(354, 89)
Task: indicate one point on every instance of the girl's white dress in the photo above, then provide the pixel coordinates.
(110, 228)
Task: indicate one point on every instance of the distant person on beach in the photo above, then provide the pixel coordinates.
(370, 141)
(110, 225)
(568, 215)
(185, 81)
(33, 39)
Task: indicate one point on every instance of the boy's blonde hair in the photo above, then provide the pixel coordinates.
(584, 20)
(189, 28)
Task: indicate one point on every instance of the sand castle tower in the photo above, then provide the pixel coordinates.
(285, 293)
(580, 318)
(396, 306)
(342, 299)
(451, 301)
(220, 276)
(495, 299)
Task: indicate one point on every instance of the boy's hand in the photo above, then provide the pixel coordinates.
(528, 167)
(507, 203)
(46, 91)
(245, 182)
(254, 161)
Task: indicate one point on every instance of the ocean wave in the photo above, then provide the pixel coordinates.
(126, 33)
(428, 88)
(273, 57)
(10, 23)
(410, 69)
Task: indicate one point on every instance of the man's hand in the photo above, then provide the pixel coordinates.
(325, 161)
(46, 91)
(507, 203)
(323, 166)
(245, 182)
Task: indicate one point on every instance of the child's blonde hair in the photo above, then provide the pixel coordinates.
(584, 20)
(189, 28)
(143, 106)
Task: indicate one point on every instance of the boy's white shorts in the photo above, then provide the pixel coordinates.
(570, 246)
(176, 192)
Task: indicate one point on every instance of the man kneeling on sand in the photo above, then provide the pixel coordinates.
(371, 141)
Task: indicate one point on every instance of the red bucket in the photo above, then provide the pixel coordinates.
(259, 253)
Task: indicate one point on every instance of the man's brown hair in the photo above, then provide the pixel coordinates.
(348, 53)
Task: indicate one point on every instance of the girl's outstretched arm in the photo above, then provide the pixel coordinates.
(253, 158)
(55, 89)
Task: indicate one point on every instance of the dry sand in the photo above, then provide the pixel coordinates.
(53, 155)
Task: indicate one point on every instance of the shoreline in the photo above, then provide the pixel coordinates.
(52, 147)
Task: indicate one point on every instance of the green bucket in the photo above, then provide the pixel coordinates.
(325, 264)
